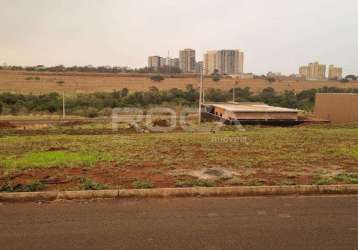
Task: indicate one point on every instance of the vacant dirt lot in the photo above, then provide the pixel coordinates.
(28, 82)
(59, 159)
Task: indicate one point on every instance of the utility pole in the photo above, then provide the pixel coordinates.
(233, 92)
(201, 94)
(63, 106)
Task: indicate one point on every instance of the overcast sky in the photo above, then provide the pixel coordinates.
(276, 35)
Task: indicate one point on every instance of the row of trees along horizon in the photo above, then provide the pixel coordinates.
(93, 69)
(144, 70)
(101, 104)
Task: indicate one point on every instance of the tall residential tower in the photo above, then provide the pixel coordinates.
(224, 61)
(187, 61)
(335, 72)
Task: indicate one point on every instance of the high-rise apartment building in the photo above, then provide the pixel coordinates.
(303, 71)
(335, 72)
(199, 67)
(225, 61)
(314, 71)
(172, 62)
(155, 62)
(210, 64)
(187, 60)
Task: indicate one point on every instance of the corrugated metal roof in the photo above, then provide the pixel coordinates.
(250, 107)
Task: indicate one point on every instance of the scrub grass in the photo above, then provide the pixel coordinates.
(271, 155)
(53, 159)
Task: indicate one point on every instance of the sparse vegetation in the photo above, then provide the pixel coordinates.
(88, 184)
(52, 159)
(142, 184)
(347, 178)
(194, 183)
(60, 82)
(271, 79)
(324, 181)
(271, 156)
(33, 186)
(157, 78)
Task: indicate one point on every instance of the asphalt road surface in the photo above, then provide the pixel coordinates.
(325, 222)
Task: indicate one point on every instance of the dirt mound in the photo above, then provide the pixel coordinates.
(5, 125)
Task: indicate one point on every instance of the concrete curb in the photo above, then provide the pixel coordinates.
(179, 192)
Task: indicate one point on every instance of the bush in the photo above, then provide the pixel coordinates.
(60, 82)
(88, 184)
(92, 113)
(157, 78)
(271, 79)
(1, 107)
(33, 186)
(29, 78)
(216, 77)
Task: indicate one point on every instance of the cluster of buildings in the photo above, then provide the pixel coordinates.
(317, 71)
(230, 62)
(157, 62)
(186, 62)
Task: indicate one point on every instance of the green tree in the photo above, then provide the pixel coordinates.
(216, 77)
(268, 95)
(244, 94)
(353, 77)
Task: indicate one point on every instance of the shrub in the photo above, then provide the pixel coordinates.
(157, 78)
(271, 79)
(33, 186)
(1, 107)
(29, 78)
(347, 178)
(92, 113)
(60, 82)
(88, 184)
(216, 77)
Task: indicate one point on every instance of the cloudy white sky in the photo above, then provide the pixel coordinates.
(276, 35)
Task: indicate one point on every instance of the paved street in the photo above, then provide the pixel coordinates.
(325, 222)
